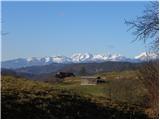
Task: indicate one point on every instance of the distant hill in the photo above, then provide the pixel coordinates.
(47, 72)
(14, 73)
(8, 72)
(54, 67)
(90, 68)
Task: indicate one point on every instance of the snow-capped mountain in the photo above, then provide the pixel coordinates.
(109, 57)
(87, 57)
(79, 57)
(146, 56)
(100, 57)
(46, 60)
(75, 58)
(61, 59)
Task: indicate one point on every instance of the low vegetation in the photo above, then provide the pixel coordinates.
(22, 98)
(149, 76)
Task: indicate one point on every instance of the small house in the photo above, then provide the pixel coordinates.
(91, 80)
(88, 80)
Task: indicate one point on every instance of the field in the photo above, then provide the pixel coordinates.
(121, 96)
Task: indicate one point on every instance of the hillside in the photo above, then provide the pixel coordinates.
(47, 72)
(54, 67)
(91, 68)
(22, 98)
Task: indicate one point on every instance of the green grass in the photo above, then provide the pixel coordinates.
(23, 98)
(129, 75)
(125, 89)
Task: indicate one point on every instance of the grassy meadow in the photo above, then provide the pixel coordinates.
(122, 96)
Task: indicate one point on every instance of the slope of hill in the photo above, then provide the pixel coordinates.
(8, 72)
(90, 68)
(93, 68)
(146, 56)
(53, 67)
(25, 99)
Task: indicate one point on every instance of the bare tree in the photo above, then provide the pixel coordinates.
(146, 28)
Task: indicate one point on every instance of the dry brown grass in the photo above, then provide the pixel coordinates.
(149, 75)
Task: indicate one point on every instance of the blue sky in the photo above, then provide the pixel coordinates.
(38, 29)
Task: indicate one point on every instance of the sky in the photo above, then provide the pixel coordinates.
(39, 29)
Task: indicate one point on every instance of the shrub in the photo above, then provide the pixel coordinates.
(148, 73)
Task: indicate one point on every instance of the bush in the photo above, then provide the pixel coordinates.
(148, 73)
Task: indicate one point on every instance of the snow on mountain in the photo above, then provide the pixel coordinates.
(46, 60)
(109, 57)
(100, 57)
(116, 57)
(61, 59)
(32, 59)
(81, 57)
(75, 58)
(87, 57)
(146, 56)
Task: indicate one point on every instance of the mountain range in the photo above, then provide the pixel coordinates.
(75, 58)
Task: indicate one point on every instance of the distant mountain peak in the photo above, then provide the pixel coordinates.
(146, 56)
(75, 58)
(61, 59)
(81, 57)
